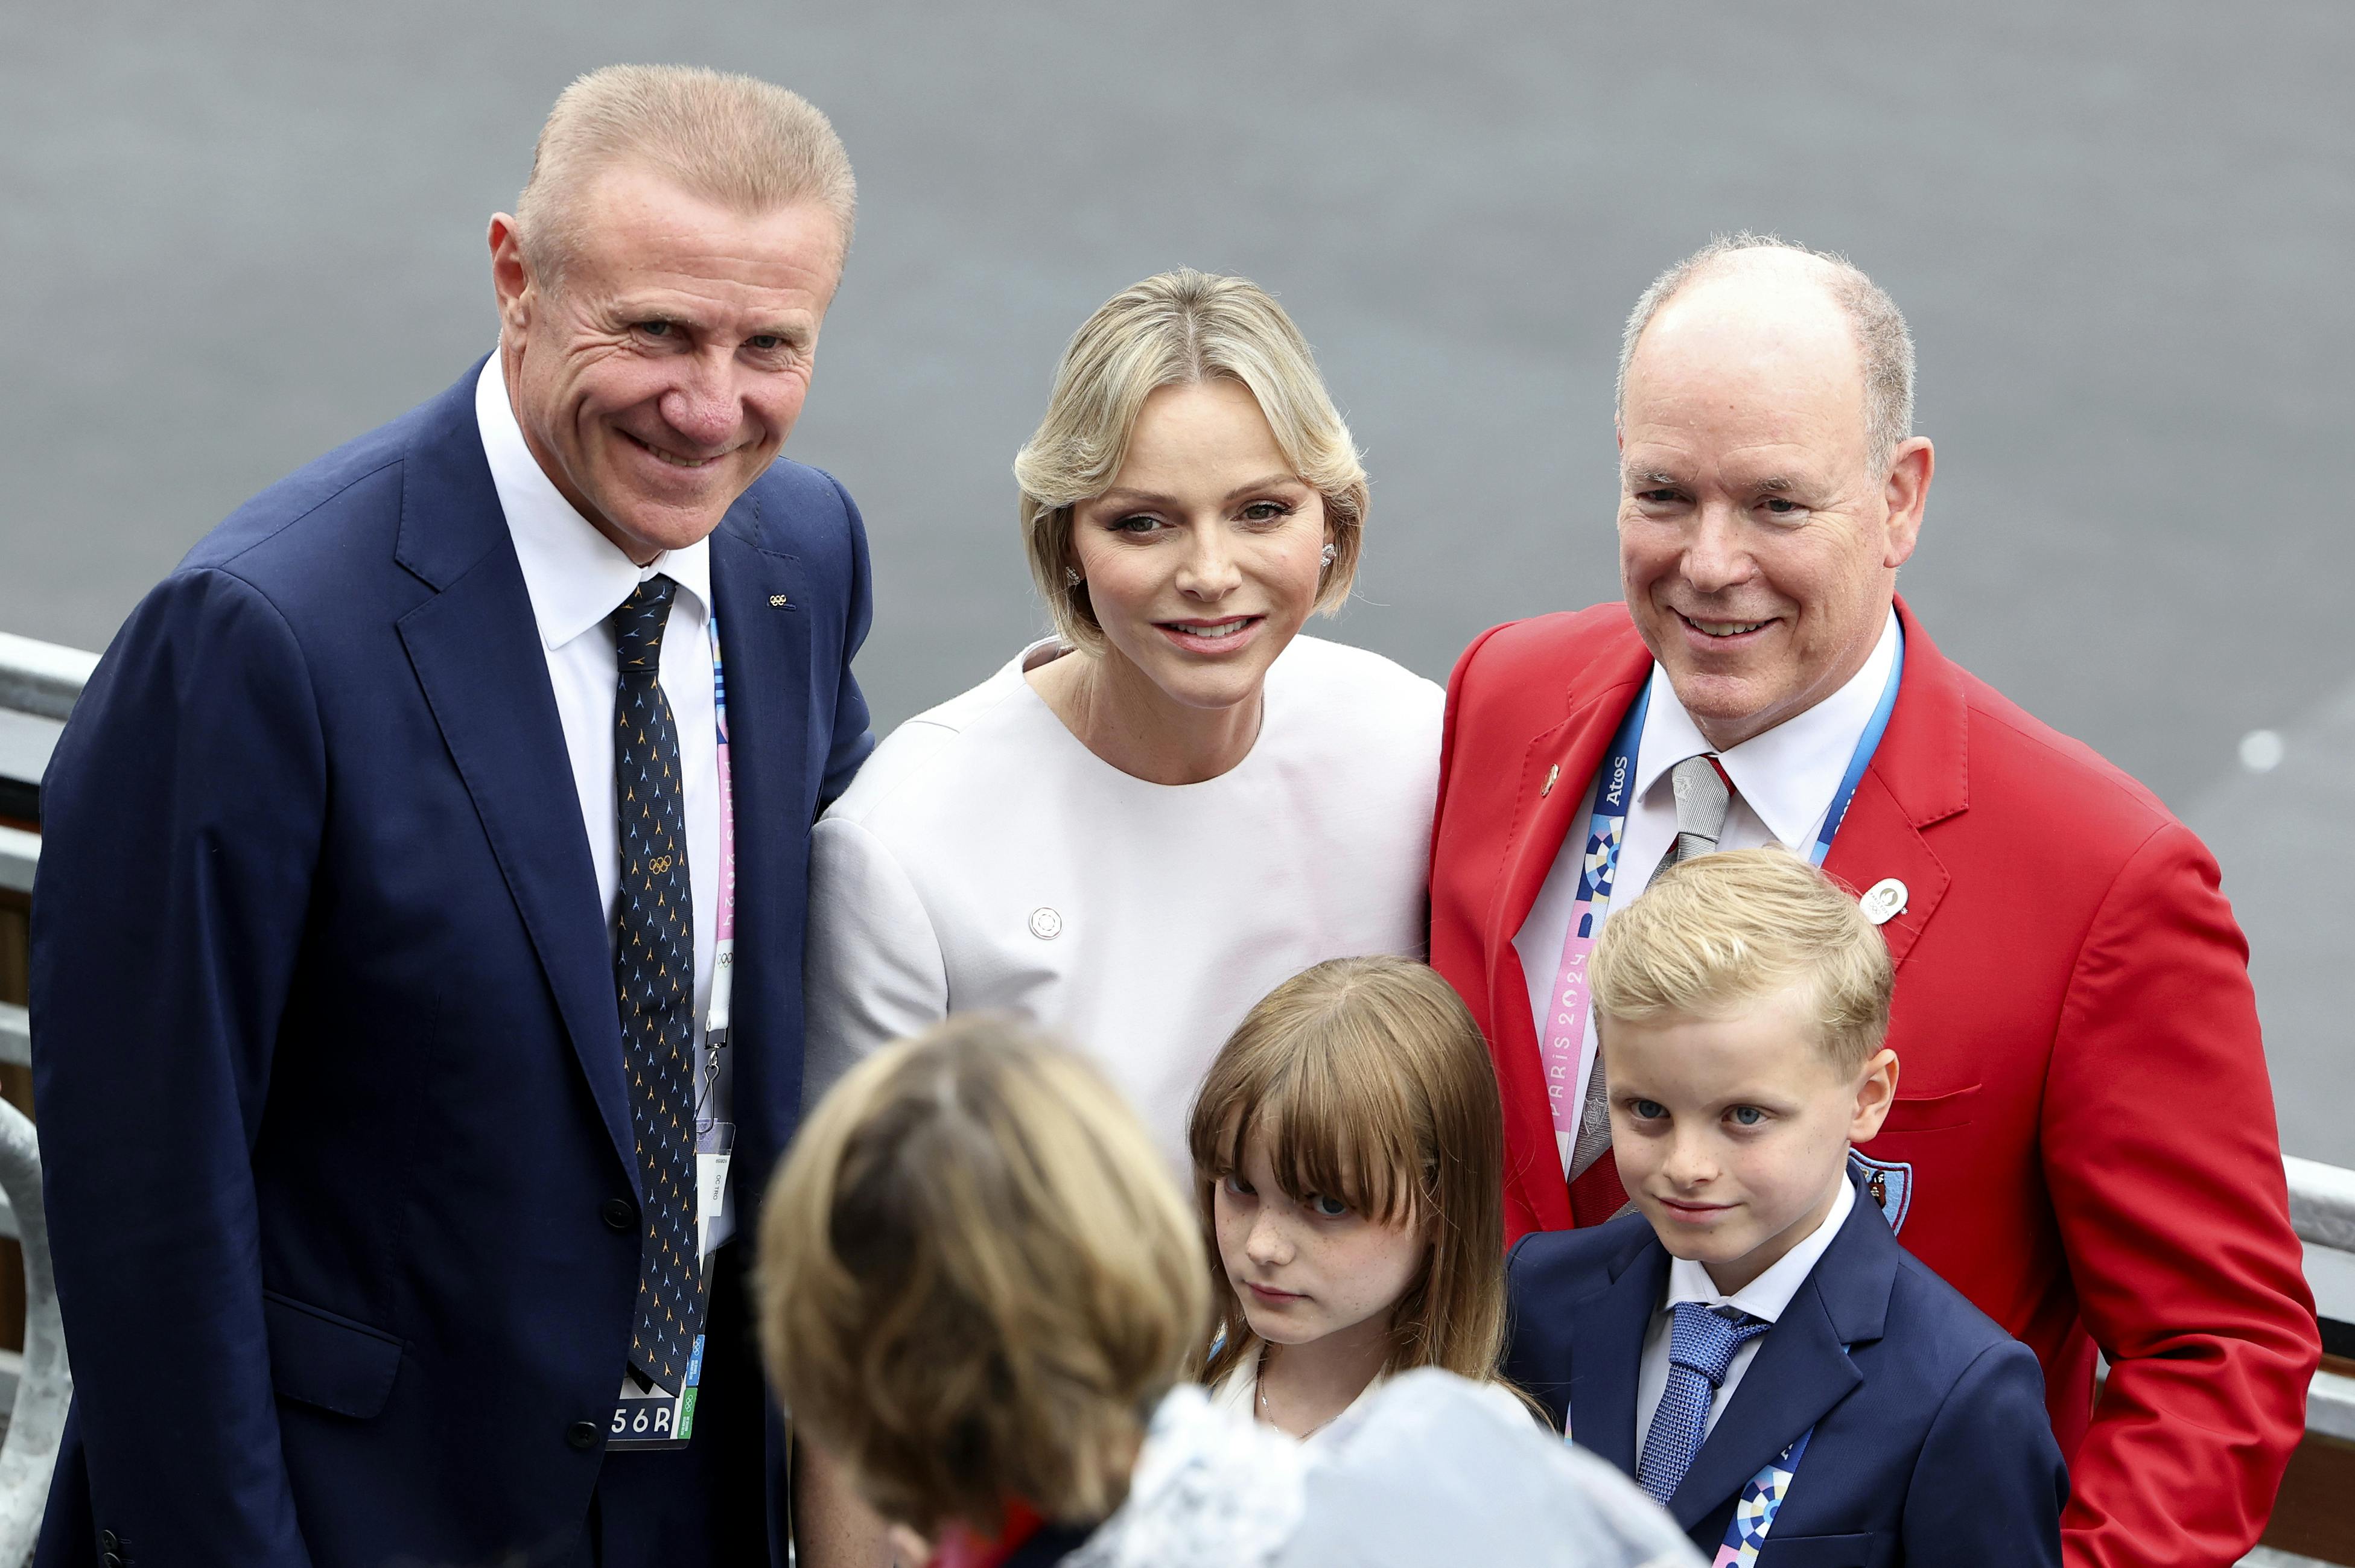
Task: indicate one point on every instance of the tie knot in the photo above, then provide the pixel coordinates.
(1704, 1338)
(638, 627)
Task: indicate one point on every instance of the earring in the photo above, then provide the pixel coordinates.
(1328, 555)
(1071, 576)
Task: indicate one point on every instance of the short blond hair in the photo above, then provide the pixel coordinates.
(744, 143)
(1369, 1083)
(1174, 329)
(1716, 933)
(977, 1278)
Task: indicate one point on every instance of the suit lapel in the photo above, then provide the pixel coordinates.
(764, 649)
(1803, 1367)
(1920, 775)
(475, 650)
(1606, 1338)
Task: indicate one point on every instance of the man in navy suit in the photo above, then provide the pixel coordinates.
(400, 1087)
(1753, 1345)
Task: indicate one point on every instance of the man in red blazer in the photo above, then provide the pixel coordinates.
(2083, 1141)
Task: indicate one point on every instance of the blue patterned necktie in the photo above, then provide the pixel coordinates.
(654, 980)
(1701, 1342)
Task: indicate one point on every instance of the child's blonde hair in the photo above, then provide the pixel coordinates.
(1369, 1083)
(1714, 933)
(978, 1279)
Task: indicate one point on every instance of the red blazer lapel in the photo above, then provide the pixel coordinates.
(1555, 769)
(1919, 775)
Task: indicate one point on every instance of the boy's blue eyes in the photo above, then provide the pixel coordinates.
(1652, 1111)
(1330, 1208)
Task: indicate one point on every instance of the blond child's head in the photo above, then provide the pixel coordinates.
(1741, 1001)
(977, 1279)
(1348, 1167)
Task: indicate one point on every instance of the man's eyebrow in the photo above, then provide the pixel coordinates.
(1773, 484)
(1652, 477)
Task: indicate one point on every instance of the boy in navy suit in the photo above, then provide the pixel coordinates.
(1752, 1344)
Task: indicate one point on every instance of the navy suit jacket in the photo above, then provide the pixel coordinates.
(1931, 1442)
(325, 1037)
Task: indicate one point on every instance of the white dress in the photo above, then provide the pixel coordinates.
(1422, 1470)
(1238, 1392)
(986, 859)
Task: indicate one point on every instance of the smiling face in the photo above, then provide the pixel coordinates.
(1758, 549)
(658, 378)
(1305, 1270)
(1731, 1134)
(1202, 559)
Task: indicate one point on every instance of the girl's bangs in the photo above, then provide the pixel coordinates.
(1330, 1133)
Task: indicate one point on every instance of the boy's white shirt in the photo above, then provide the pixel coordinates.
(1764, 1298)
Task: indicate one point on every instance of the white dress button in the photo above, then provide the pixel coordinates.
(1045, 924)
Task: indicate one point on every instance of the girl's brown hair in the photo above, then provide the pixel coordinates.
(1369, 1083)
(977, 1279)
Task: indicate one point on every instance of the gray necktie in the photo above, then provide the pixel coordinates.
(1703, 799)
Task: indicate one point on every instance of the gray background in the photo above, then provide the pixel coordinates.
(234, 234)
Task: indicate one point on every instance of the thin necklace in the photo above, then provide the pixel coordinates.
(1259, 1386)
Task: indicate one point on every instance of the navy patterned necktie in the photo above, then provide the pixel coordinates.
(1701, 1342)
(654, 981)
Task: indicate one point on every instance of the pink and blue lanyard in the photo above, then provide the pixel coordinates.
(1563, 1038)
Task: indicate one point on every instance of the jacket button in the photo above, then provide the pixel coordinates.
(108, 1541)
(621, 1214)
(113, 1560)
(582, 1435)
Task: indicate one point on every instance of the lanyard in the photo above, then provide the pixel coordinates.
(723, 945)
(1563, 1036)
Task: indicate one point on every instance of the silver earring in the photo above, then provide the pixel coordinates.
(1071, 576)
(1328, 555)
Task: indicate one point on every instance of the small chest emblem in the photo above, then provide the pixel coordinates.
(1045, 924)
(1553, 774)
(1884, 900)
(1887, 1182)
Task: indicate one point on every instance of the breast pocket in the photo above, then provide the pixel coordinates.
(1873, 1551)
(1930, 1113)
(320, 1358)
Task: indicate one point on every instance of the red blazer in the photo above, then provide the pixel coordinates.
(2083, 1095)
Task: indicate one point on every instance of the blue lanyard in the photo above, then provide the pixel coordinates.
(1617, 782)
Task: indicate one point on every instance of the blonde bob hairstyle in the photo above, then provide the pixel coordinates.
(977, 1279)
(1176, 329)
(1718, 934)
(1366, 1081)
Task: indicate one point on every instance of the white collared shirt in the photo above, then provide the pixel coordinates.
(1783, 781)
(577, 579)
(1764, 1298)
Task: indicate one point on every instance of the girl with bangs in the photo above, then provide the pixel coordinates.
(1348, 1166)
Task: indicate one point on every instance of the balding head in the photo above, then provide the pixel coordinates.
(1769, 490)
(1764, 271)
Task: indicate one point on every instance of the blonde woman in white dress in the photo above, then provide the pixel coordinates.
(1140, 825)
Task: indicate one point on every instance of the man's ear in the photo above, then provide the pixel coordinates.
(1876, 1089)
(511, 277)
(1908, 495)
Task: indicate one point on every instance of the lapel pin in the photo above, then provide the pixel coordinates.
(1883, 901)
(779, 602)
(1552, 774)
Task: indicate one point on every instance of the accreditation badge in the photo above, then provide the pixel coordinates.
(646, 1415)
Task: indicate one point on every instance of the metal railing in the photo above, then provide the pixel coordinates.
(43, 679)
